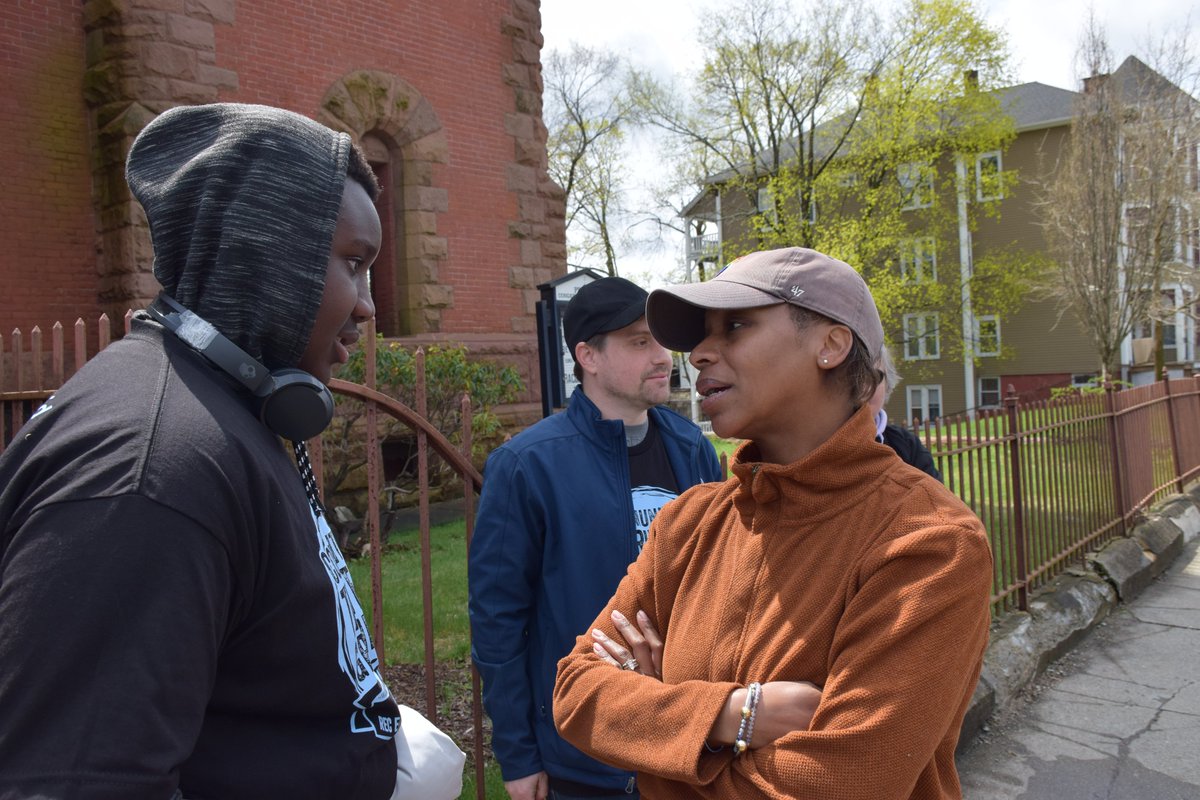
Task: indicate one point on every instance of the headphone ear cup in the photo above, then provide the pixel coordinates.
(297, 406)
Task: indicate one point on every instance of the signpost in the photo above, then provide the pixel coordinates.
(555, 360)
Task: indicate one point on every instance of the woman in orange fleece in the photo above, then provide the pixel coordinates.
(823, 612)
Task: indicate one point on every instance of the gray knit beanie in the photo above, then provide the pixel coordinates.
(242, 201)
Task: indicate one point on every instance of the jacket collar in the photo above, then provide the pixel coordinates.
(838, 473)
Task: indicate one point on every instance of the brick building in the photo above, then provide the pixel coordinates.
(445, 97)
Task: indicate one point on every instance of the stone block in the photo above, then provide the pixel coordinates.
(1010, 663)
(530, 153)
(222, 11)
(1124, 564)
(192, 32)
(1160, 539)
(437, 296)
(521, 179)
(515, 74)
(217, 76)
(531, 252)
(427, 247)
(531, 208)
(432, 148)
(418, 222)
(1064, 611)
(512, 26)
(522, 278)
(169, 60)
(519, 126)
(526, 52)
(1183, 513)
(103, 12)
(169, 6)
(189, 92)
(426, 198)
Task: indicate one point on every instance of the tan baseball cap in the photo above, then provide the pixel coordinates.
(793, 275)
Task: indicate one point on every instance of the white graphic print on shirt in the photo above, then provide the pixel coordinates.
(647, 501)
(356, 653)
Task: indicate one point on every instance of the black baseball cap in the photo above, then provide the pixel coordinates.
(606, 304)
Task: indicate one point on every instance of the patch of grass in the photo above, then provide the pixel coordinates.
(725, 447)
(493, 783)
(403, 632)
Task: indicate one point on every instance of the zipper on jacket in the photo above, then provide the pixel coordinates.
(632, 785)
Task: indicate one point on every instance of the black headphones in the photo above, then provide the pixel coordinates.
(291, 402)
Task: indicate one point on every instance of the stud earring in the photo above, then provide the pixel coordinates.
(824, 360)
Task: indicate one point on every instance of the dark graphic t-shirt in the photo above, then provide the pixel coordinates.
(652, 481)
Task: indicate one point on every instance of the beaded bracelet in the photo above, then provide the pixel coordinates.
(746, 727)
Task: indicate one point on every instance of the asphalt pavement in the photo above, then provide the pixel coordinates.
(1118, 718)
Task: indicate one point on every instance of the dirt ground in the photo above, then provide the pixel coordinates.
(453, 685)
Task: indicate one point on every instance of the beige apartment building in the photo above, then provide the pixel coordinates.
(961, 360)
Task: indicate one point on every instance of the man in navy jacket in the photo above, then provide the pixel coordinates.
(566, 507)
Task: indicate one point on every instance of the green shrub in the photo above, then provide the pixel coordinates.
(449, 375)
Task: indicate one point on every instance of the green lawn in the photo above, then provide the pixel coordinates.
(403, 633)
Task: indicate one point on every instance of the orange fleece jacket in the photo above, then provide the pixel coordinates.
(848, 569)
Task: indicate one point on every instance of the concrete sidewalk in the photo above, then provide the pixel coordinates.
(1117, 718)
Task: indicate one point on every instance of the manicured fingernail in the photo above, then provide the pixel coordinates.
(618, 617)
(598, 650)
(598, 634)
(643, 616)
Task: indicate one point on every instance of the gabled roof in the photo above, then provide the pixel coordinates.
(1036, 105)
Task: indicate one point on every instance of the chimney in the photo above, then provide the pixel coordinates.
(1094, 82)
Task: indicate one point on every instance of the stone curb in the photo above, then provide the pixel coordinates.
(1062, 613)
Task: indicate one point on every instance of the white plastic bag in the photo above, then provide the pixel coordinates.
(429, 765)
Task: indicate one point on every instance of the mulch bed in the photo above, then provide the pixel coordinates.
(452, 687)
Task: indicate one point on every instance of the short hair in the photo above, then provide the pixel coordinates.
(596, 343)
(358, 168)
(857, 373)
(888, 372)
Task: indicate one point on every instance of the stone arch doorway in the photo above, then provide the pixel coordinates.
(403, 139)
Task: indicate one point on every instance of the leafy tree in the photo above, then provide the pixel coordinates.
(843, 130)
(1124, 184)
(449, 375)
(585, 112)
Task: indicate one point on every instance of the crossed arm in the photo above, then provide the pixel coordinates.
(784, 707)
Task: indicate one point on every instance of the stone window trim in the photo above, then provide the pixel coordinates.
(384, 107)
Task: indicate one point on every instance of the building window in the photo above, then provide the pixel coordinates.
(388, 274)
(916, 186)
(1080, 379)
(924, 403)
(765, 203)
(921, 336)
(989, 178)
(918, 259)
(987, 335)
(989, 393)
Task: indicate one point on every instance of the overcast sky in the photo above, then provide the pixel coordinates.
(1043, 34)
(1043, 37)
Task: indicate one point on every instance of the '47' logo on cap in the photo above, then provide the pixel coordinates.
(796, 291)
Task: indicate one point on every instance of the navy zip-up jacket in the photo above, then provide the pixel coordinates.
(554, 537)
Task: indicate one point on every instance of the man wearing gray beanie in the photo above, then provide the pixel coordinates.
(175, 617)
